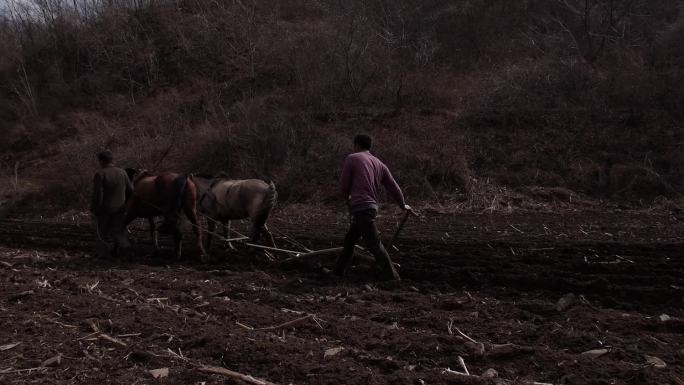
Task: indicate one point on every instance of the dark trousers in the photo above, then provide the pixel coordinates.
(363, 225)
(111, 235)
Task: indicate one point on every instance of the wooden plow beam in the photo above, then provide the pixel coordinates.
(360, 254)
(296, 255)
(335, 250)
(304, 255)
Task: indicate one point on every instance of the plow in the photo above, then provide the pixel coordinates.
(295, 250)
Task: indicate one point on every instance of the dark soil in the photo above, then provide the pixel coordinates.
(497, 278)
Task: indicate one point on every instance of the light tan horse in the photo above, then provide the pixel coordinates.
(223, 199)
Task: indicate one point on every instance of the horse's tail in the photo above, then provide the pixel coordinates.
(268, 203)
(179, 185)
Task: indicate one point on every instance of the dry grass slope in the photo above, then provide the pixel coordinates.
(471, 101)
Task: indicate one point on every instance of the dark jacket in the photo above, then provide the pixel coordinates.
(111, 188)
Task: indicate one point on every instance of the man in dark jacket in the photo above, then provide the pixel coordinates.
(111, 189)
(362, 177)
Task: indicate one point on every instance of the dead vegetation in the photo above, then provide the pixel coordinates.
(580, 95)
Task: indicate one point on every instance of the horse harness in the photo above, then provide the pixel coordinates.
(212, 195)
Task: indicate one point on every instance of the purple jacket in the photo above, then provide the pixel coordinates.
(362, 176)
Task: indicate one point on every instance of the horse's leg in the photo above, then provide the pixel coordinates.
(259, 219)
(256, 232)
(129, 216)
(226, 234)
(177, 239)
(211, 227)
(154, 234)
(270, 236)
(191, 213)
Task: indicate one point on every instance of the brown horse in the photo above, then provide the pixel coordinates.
(223, 199)
(166, 194)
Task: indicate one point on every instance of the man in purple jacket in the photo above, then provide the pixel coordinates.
(362, 177)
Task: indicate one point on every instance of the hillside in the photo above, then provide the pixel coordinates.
(475, 103)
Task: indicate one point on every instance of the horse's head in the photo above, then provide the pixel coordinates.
(134, 173)
(206, 197)
(203, 182)
(678, 213)
(131, 172)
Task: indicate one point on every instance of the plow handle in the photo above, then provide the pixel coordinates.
(407, 214)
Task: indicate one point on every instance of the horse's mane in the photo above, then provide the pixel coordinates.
(223, 176)
(220, 177)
